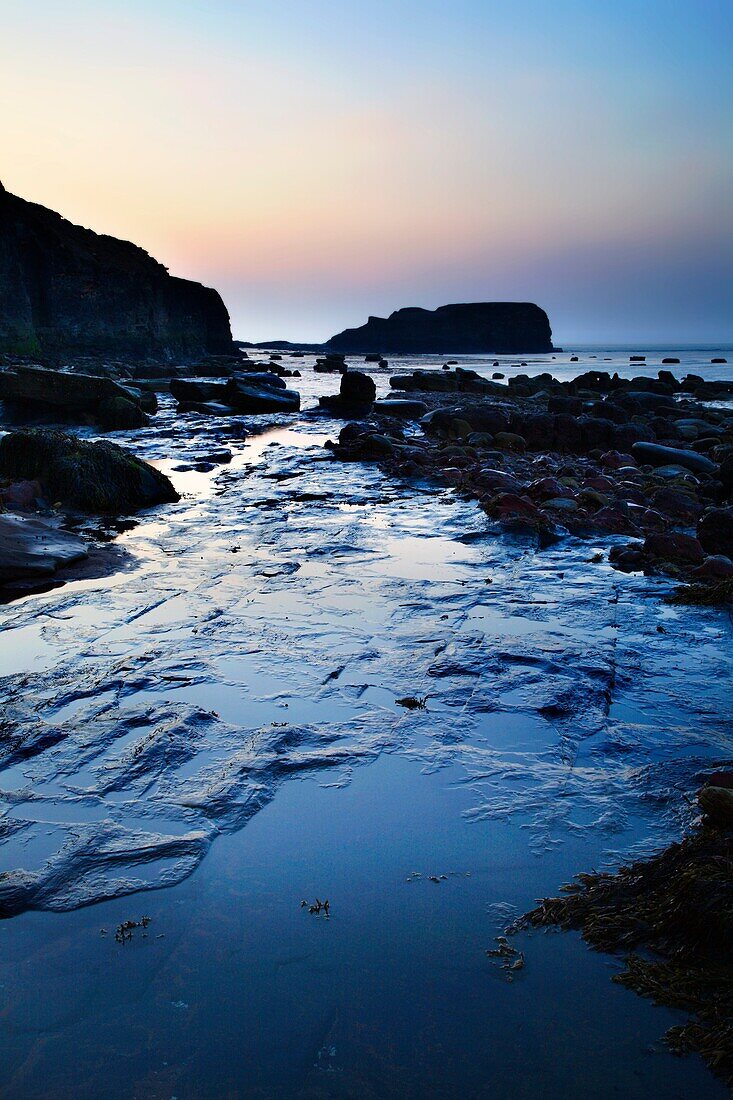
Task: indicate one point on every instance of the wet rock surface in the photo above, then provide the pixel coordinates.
(31, 548)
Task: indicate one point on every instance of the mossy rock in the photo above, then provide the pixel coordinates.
(88, 476)
(117, 412)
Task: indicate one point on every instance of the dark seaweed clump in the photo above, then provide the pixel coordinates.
(710, 594)
(677, 909)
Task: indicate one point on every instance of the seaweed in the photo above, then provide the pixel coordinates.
(413, 702)
(708, 594)
(123, 933)
(673, 917)
(319, 908)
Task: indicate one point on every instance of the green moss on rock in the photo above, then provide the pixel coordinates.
(89, 476)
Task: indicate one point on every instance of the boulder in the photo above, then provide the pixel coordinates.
(644, 401)
(356, 394)
(678, 503)
(186, 391)
(257, 393)
(404, 408)
(715, 531)
(510, 441)
(31, 548)
(716, 567)
(88, 476)
(654, 454)
(331, 363)
(717, 803)
(357, 388)
(117, 413)
(674, 546)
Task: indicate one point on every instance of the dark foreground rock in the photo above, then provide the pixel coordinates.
(715, 531)
(95, 477)
(476, 327)
(260, 393)
(31, 548)
(657, 455)
(64, 288)
(80, 398)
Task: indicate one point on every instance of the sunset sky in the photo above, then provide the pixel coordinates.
(321, 160)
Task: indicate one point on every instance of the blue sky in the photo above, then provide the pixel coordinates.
(321, 161)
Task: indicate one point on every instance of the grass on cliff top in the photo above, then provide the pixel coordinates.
(673, 914)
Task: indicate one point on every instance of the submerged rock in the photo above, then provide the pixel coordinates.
(89, 476)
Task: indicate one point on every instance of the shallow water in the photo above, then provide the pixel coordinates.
(245, 673)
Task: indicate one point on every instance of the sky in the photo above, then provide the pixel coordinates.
(318, 161)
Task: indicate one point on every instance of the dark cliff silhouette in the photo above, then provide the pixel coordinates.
(65, 290)
(478, 327)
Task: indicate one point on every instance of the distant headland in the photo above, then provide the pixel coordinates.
(506, 328)
(472, 328)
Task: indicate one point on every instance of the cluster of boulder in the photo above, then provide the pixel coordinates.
(331, 363)
(253, 392)
(33, 392)
(642, 457)
(46, 473)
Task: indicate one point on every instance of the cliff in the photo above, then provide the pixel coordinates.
(507, 328)
(67, 290)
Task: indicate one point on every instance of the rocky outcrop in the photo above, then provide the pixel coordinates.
(67, 290)
(91, 477)
(492, 327)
